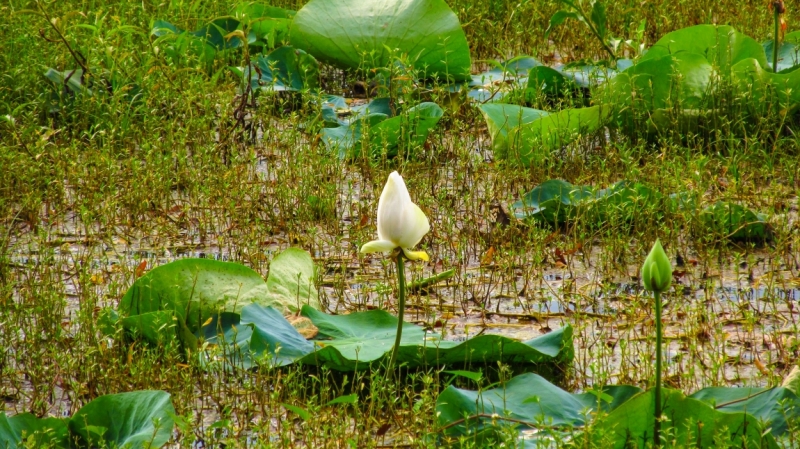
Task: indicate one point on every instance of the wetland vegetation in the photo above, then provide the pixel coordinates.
(185, 188)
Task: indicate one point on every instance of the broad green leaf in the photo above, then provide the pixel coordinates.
(285, 69)
(502, 119)
(348, 342)
(553, 201)
(138, 419)
(273, 335)
(735, 222)
(775, 407)
(559, 18)
(788, 52)
(765, 91)
(690, 423)
(721, 45)
(533, 142)
(194, 290)
(26, 430)
(373, 33)
(549, 81)
(527, 398)
(291, 281)
(556, 201)
(407, 130)
(680, 80)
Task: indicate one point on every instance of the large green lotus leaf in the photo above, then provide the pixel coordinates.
(622, 202)
(501, 119)
(348, 342)
(776, 406)
(763, 88)
(680, 80)
(26, 430)
(194, 290)
(291, 281)
(689, 423)
(537, 139)
(370, 33)
(273, 335)
(285, 69)
(735, 221)
(529, 400)
(788, 52)
(721, 45)
(553, 201)
(138, 419)
(409, 129)
(556, 201)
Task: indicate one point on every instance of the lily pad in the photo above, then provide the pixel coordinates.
(354, 341)
(552, 201)
(690, 423)
(502, 119)
(537, 139)
(527, 401)
(384, 134)
(775, 407)
(722, 46)
(26, 430)
(788, 52)
(291, 281)
(134, 419)
(357, 340)
(373, 33)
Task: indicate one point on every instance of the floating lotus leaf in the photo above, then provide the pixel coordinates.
(374, 33)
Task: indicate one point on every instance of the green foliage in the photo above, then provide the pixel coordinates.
(358, 340)
(788, 52)
(135, 419)
(556, 202)
(374, 128)
(775, 407)
(178, 298)
(619, 415)
(527, 401)
(367, 34)
(284, 69)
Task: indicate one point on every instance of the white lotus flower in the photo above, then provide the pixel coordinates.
(401, 223)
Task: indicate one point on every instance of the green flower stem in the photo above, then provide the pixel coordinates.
(401, 308)
(659, 332)
(775, 42)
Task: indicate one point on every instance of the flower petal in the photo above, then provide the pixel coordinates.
(378, 246)
(416, 255)
(415, 226)
(394, 201)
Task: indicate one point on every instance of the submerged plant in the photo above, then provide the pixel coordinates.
(657, 277)
(401, 225)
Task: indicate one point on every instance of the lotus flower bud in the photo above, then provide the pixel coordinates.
(656, 270)
(401, 223)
